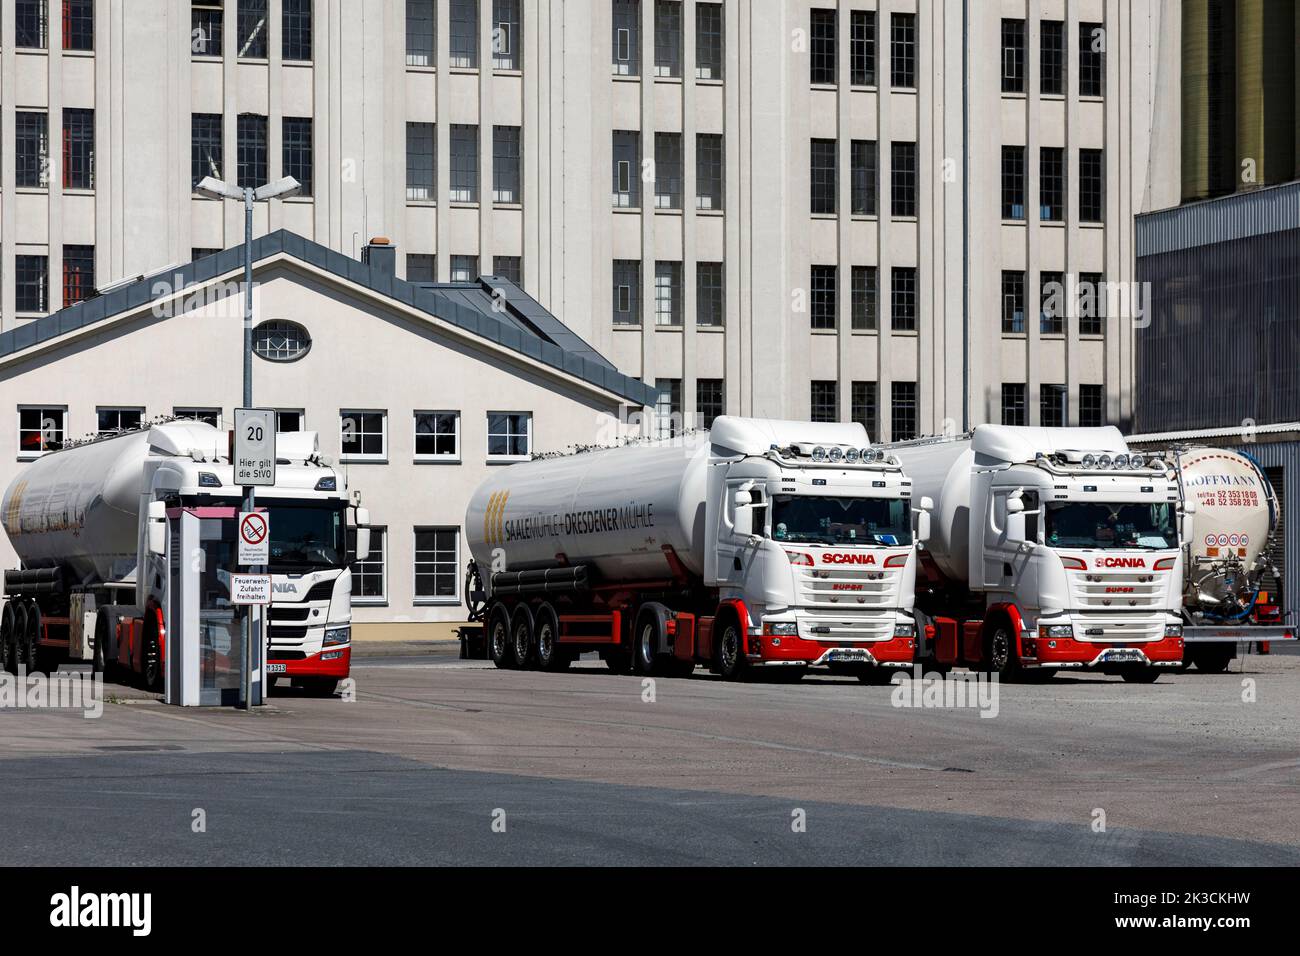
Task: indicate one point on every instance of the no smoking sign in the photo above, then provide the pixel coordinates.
(254, 538)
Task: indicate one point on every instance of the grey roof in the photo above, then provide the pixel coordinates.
(523, 326)
(1238, 216)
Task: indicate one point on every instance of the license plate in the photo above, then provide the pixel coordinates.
(1120, 655)
(277, 668)
(848, 655)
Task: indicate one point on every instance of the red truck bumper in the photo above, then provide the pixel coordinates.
(1074, 653)
(900, 650)
(333, 662)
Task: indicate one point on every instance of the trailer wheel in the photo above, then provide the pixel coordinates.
(1140, 675)
(499, 636)
(151, 658)
(31, 634)
(8, 646)
(550, 656)
(1212, 658)
(521, 637)
(645, 656)
(729, 658)
(20, 635)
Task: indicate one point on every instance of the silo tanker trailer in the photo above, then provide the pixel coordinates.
(761, 544)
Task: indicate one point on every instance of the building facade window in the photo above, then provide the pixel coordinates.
(1092, 406)
(32, 146)
(710, 401)
(299, 154)
(668, 38)
(252, 31)
(1013, 183)
(1013, 404)
(509, 434)
(421, 32)
(295, 34)
(822, 47)
(252, 151)
(1051, 295)
(40, 429)
(668, 170)
(1051, 406)
(1013, 56)
(363, 434)
(290, 420)
(464, 163)
(464, 268)
(710, 294)
(369, 577)
(78, 274)
(823, 297)
(902, 50)
(709, 168)
(1092, 59)
(437, 436)
(1092, 302)
(903, 411)
(205, 147)
(822, 178)
(31, 24)
(709, 41)
(902, 301)
(865, 400)
(32, 283)
(209, 416)
(862, 48)
(1092, 185)
(1013, 302)
(627, 169)
(824, 401)
(509, 267)
(627, 38)
(280, 340)
(421, 162)
(464, 34)
(668, 293)
(1051, 184)
(865, 174)
(421, 267)
(505, 165)
(207, 28)
(113, 420)
(668, 407)
(437, 565)
(903, 179)
(79, 25)
(865, 299)
(78, 149)
(627, 292)
(506, 34)
(1051, 72)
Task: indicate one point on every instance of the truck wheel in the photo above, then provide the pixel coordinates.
(8, 646)
(499, 636)
(1213, 658)
(1140, 675)
(521, 637)
(550, 656)
(151, 673)
(31, 634)
(20, 636)
(729, 657)
(645, 656)
(1000, 654)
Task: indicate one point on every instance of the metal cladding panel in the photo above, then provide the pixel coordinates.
(1286, 456)
(1223, 342)
(1239, 216)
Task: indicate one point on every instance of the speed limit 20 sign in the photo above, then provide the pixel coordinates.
(255, 447)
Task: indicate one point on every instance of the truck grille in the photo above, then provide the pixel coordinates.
(848, 588)
(294, 631)
(1119, 590)
(823, 625)
(1106, 629)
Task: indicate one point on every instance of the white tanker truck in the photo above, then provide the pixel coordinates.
(1230, 515)
(127, 542)
(780, 545)
(1046, 549)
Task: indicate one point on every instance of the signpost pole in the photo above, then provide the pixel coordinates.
(249, 636)
(254, 465)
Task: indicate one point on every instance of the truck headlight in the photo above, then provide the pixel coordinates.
(1056, 630)
(338, 635)
(781, 628)
(904, 630)
(1173, 630)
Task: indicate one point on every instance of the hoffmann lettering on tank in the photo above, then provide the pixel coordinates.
(497, 529)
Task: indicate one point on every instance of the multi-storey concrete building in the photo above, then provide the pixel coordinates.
(763, 207)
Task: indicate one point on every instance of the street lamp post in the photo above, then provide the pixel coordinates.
(216, 189)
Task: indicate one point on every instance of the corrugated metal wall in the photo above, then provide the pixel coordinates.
(1286, 457)
(1223, 344)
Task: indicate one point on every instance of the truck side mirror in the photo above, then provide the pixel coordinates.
(156, 528)
(742, 499)
(922, 526)
(1015, 505)
(927, 503)
(363, 534)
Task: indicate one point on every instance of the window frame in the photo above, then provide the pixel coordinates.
(1014, 56)
(40, 283)
(301, 167)
(26, 153)
(425, 458)
(823, 177)
(359, 600)
(528, 434)
(904, 285)
(507, 160)
(902, 51)
(819, 409)
(295, 22)
(862, 48)
(258, 37)
(710, 41)
(64, 430)
(425, 191)
(102, 432)
(904, 180)
(417, 55)
(1013, 301)
(362, 457)
(85, 280)
(823, 47)
(823, 297)
(434, 600)
(1015, 176)
(463, 39)
(253, 157)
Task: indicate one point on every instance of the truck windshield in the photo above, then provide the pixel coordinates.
(818, 520)
(1078, 524)
(307, 534)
